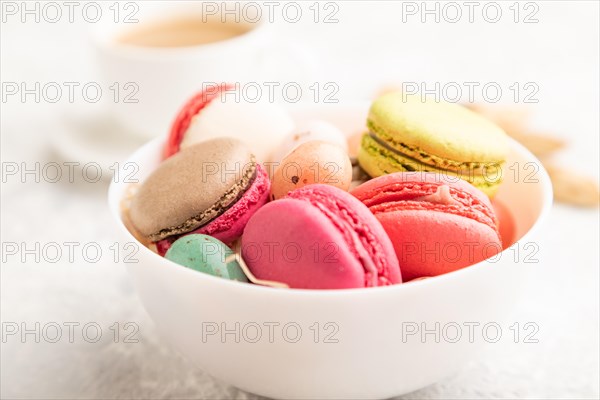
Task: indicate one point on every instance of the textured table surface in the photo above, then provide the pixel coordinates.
(560, 54)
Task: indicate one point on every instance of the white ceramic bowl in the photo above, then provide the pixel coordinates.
(338, 344)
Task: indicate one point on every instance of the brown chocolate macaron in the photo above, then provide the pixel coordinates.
(193, 191)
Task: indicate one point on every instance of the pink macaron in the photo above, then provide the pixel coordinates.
(436, 223)
(319, 237)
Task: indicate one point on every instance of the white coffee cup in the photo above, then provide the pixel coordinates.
(154, 82)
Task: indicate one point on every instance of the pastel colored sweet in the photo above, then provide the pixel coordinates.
(319, 237)
(311, 130)
(222, 112)
(506, 224)
(206, 254)
(408, 133)
(213, 187)
(436, 223)
(312, 162)
(230, 225)
(190, 109)
(354, 141)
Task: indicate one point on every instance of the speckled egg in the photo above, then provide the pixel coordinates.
(312, 162)
(308, 131)
(206, 254)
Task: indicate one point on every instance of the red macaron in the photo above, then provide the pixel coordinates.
(436, 223)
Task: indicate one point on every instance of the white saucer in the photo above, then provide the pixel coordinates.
(94, 138)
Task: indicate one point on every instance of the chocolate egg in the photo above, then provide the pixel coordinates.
(312, 162)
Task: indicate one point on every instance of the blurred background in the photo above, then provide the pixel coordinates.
(543, 55)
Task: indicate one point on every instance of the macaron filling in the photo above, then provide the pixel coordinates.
(229, 198)
(229, 226)
(360, 240)
(421, 157)
(391, 160)
(429, 196)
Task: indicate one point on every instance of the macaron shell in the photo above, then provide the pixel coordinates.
(444, 129)
(377, 161)
(356, 221)
(182, 122)
(312, 162)
(375, 186)
(430, 243)
(354, 141)
(432, 234)
(230, 225)
(506, 224)
(308, 251)
(211, 174)
(261, 126)
(205, 254)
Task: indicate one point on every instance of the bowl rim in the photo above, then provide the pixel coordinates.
(547, 199)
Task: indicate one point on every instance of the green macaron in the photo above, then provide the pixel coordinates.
(411, 133)
(206, 254)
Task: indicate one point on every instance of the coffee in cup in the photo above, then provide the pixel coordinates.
(182, 31)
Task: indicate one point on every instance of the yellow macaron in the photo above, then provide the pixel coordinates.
(412, 133)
